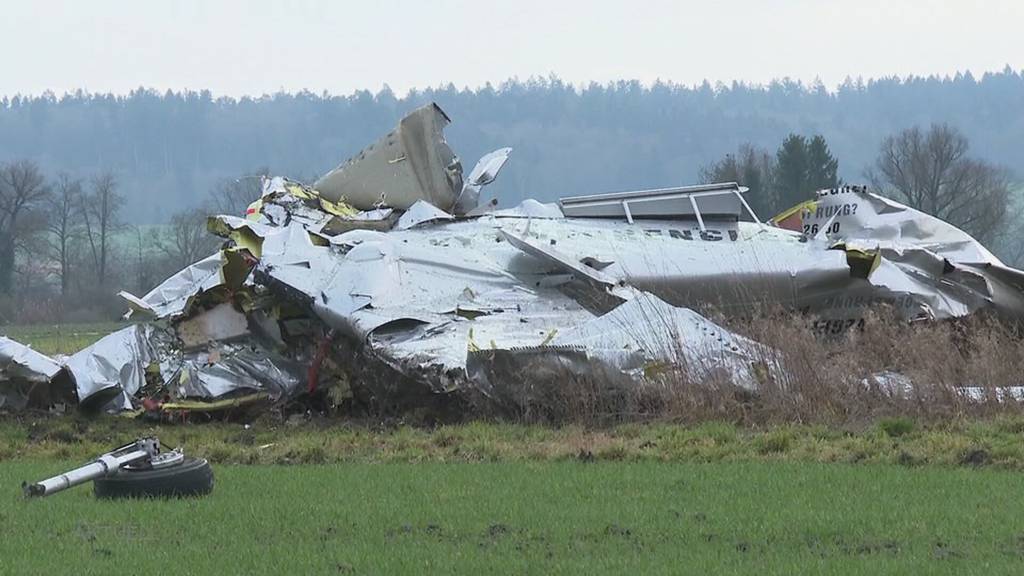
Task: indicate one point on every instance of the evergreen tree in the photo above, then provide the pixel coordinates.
(822, 167)
(751, 167)
(791, 176)
(804, 167)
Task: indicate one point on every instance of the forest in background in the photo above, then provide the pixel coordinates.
(168, 151)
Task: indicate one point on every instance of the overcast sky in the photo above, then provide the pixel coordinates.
(255, 47)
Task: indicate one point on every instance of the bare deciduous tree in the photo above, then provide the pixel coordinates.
(64, 226)
(22, 186)
(186, 239)
(146, 267)
(100, 212)
(233, 196)
(931, 171)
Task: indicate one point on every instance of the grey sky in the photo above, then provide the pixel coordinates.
(255, 47)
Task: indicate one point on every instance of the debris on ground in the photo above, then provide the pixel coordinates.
(28, 378)
(136, 470)
(388, 284)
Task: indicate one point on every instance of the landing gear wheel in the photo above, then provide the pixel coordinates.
(193, 477)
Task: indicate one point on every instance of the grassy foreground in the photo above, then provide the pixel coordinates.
(996, 443)
(533, 517)
(332, 498)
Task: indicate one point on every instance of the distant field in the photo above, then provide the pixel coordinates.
(60, 338)
(539, 518)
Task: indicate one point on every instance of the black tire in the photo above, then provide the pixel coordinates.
(193, 477)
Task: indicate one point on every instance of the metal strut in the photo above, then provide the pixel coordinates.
(144, 453)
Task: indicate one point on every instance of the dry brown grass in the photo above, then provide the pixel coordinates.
(807, 378)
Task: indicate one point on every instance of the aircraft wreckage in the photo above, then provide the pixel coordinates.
(387, 281)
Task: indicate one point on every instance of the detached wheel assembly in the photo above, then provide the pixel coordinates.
(190, 477)
(137, 470)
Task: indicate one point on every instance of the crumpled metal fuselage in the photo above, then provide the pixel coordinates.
(392, 252)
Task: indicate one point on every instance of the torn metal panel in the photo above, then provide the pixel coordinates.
(927, 267)
(413, 162)
(174, 295)
(22, 362)
(285, 203)
(113, 369)
(605, 288)
(434, 349)
(631, 345)
(227, 369)
(666, 334)
(853, 215)
(485, 171)
(419, 213)
(530, 208)
(28, 378)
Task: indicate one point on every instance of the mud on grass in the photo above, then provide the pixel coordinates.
(530, 517)
(994, 443)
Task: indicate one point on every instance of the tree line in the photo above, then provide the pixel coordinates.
(169, 148)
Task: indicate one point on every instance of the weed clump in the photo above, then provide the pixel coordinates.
(774, 442)
(896, 427)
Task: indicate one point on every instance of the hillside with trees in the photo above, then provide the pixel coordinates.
(169, 150)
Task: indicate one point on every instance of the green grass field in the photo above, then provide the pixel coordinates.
(60, 338)
(320, 498)
(539, 518)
